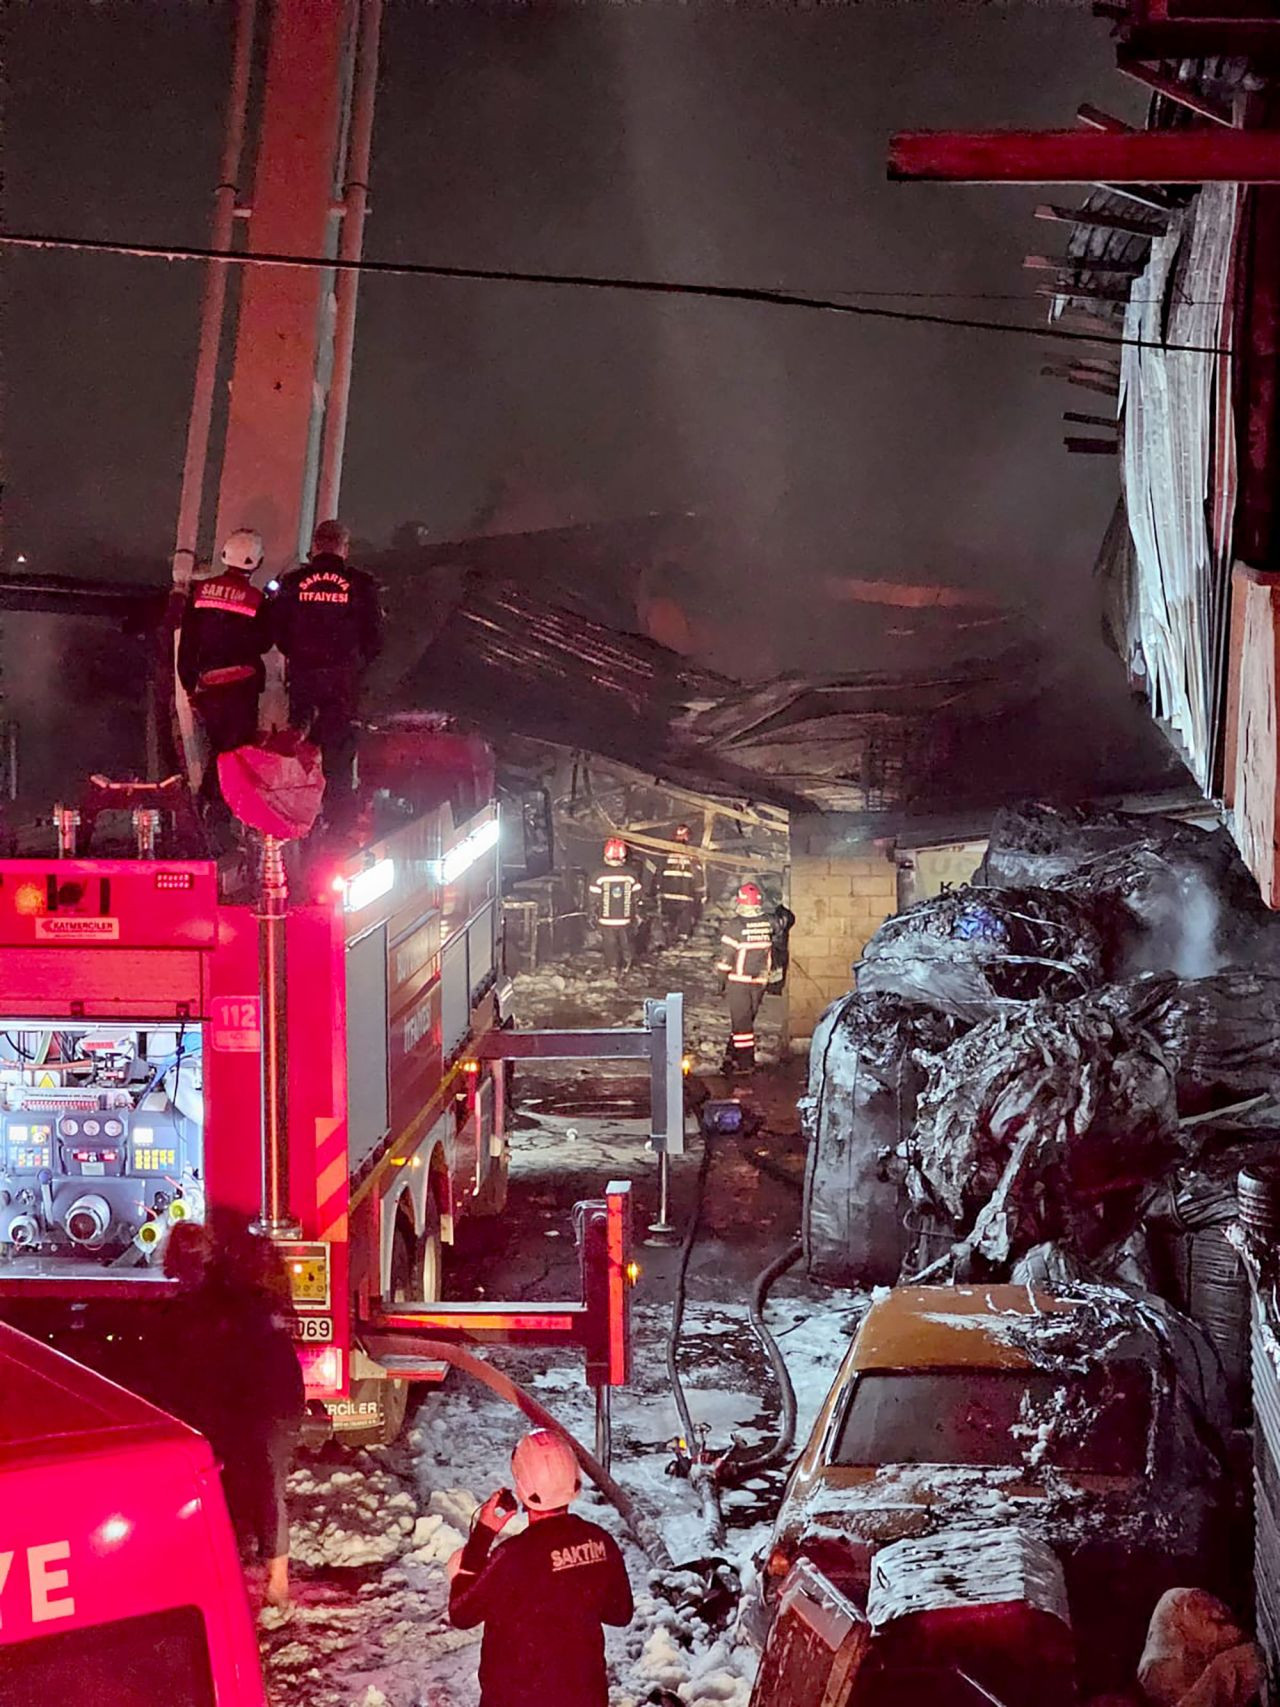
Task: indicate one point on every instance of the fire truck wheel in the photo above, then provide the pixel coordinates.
(395, 1405)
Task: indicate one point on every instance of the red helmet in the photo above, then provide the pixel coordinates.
(615, 851)
(682, 832)
(749, 895)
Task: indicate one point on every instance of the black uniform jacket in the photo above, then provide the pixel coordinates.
(224, 633)
(326, 616)
(542, 1597)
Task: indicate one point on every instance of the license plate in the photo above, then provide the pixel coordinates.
(313, 1328)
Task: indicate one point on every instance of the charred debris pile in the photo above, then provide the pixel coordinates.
(1054, 1073)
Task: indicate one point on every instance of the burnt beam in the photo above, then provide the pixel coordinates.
(1199, 156)
(1219, 112)
(1078, 264)
(1097, 119)
(1103, 219)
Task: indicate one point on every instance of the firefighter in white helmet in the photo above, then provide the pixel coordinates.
(544, 1594)
(222, 638)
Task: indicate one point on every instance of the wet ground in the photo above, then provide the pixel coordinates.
(373, 1530)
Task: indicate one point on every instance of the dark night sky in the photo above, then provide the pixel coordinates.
(738, 144)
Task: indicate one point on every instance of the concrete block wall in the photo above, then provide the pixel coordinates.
(843, 887)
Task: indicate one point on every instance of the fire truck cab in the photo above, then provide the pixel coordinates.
(130, 1067)
(119, 1577)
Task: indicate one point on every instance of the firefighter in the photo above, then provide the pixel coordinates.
(615, 896)
(781, 921)
(543, 1595)
(222, 638)
(327, 622)
(679, 890)
(746, 959)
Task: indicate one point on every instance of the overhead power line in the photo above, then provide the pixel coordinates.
(588, 281)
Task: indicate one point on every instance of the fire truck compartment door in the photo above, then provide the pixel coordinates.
(133, 983)
(815, 1647)
(367, 1089)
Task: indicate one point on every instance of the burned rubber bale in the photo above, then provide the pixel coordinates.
(969, 950)
(1221, 1034)
(864, 1075)
(1042, 1124)
(1179, 898)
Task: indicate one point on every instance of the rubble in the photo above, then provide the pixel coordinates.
(1042, 1124)
(971, 950)
(1191, 906)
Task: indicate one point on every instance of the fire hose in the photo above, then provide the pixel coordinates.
(640, 1525)
(708, 1476)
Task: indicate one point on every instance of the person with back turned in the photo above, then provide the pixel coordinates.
(745, 965)
(544, 1595)
(221, 640)
(327, 622)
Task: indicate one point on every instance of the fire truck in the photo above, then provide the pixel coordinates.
(131, 1052)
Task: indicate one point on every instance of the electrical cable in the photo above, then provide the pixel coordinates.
(587, 281)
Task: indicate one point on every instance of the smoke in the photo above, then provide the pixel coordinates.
(1183, 918)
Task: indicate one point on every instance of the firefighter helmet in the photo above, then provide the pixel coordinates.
(243, 549)
(615, 851)
(545, 1471)
(682, 832)
(749, 895)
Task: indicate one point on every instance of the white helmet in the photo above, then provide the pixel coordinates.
(243, 549)
(545, 1471)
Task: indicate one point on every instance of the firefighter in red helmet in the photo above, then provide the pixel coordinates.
(615, 898)
(746, 960)
(544, 1595)
(679, 889)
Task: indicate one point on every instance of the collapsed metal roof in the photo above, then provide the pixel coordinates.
(508, 660)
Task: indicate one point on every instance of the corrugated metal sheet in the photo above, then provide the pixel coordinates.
(1179, 471)
(1266, 1405)
(509, 660)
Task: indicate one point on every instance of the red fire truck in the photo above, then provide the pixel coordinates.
(130, 1070)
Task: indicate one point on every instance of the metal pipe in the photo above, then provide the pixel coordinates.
(213, 305)
(146, 824)
(661, 1232)
(212, 310)
(604, 1425)
(355, 193)
(275, 1220)
(66, 820)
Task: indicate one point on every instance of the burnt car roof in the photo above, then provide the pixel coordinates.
(988, 1327)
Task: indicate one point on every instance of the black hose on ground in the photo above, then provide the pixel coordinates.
(736, 1471)
(701, 1476)
(639, 1522)
(709, 1478)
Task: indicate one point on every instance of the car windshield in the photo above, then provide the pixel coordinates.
(1097, 1422)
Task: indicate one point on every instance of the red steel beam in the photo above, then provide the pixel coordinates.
(1200, 156)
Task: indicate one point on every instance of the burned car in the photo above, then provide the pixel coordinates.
(1093, 1419)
